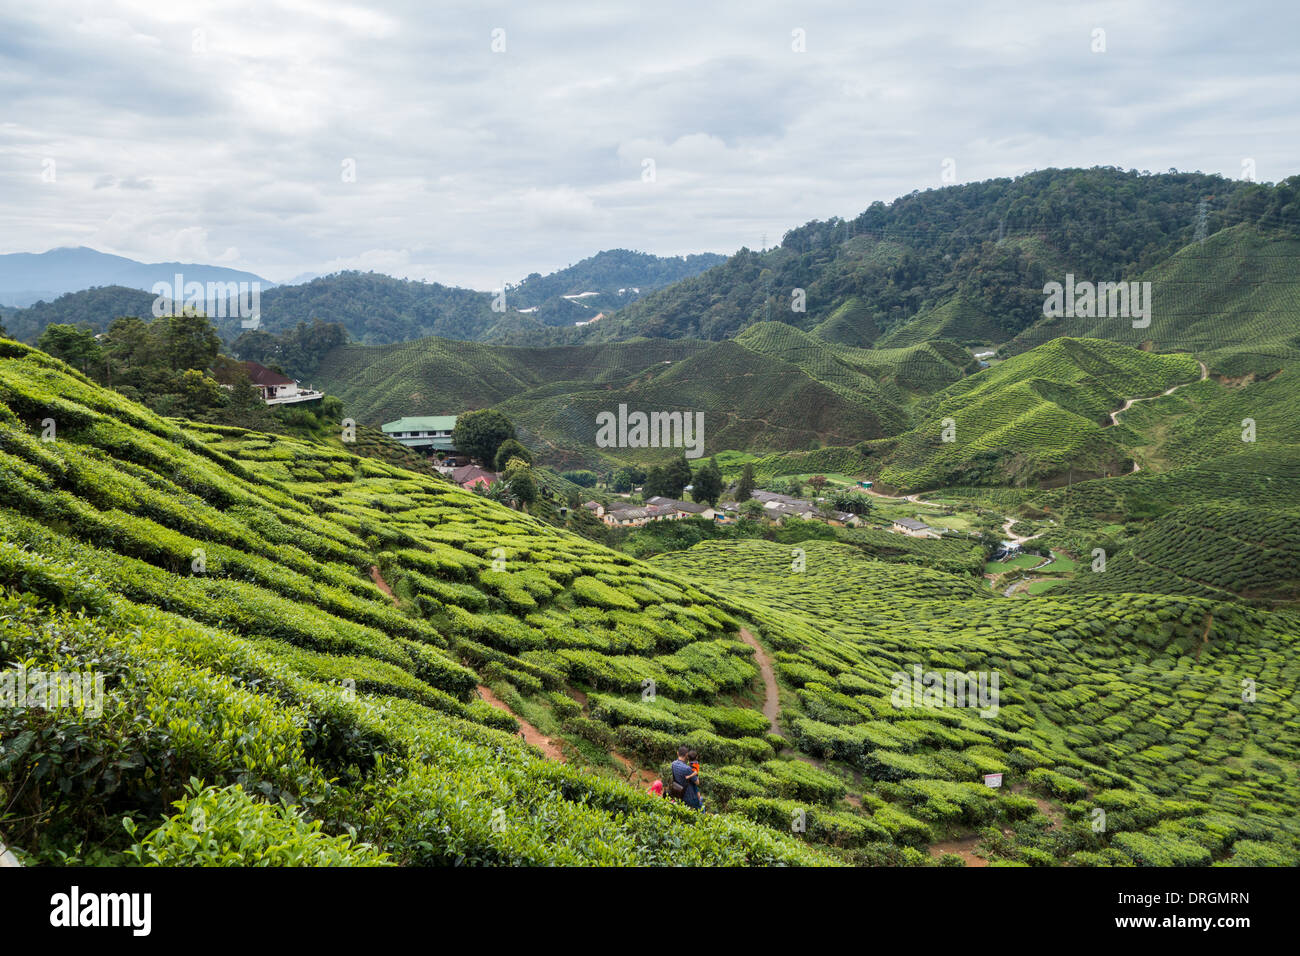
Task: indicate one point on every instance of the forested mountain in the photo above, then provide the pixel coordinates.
(378, 309)
(964, 262)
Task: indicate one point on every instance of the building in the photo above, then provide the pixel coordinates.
(915, 528)
(471, 476)
(656, 508)
(683, 509)
(277, 389)
(427, 432)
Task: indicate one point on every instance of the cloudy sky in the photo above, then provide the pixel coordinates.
(471, 143)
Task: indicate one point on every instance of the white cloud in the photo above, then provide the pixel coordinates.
(473, 166)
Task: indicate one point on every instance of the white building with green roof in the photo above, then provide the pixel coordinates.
(432, 432)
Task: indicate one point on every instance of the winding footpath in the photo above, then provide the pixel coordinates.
(771, 696)
(1114, 416)
(1114, 420)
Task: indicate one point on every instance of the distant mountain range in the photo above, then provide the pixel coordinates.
(375, 309)
(27, 277)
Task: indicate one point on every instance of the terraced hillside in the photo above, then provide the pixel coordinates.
(1130, 729)
(1233, 299)
(774, 388)
(379, 638)
(1032, 418)
(1232, 553)
(230, 589)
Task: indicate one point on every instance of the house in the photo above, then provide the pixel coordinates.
(914, 528)
(277, 389)
(683, 509)
(470, 476)
(429, 432)
(629, 517)
(595, 507)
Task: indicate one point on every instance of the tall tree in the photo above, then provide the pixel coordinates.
(480, 433)
(76, 346)
(707, 484)
(512, 448)
(745, 490)
(677, 475)
(656, 483)
(191, 342)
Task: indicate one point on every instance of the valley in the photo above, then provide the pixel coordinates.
(346, 649)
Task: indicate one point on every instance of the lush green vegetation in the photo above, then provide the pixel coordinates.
(1129, 703)
(220, 579)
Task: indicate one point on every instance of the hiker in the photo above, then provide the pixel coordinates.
(685, 784)
(657, 788)
(693, 759)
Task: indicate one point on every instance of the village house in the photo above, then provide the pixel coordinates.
(471, 476)
(426, 432)
(914, 528)
(685, 509)
(657, 508)
(779, 507)
(277, 389)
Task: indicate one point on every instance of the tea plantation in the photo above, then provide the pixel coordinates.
(310, 657)
(220, 582)
(1176, 717)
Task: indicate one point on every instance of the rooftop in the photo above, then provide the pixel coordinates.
(911, 524)
(261, 375)
(422, 423)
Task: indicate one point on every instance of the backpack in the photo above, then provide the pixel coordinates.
(675, 790)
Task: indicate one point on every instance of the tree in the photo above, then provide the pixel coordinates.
(76, 346)
(190, 342)
(745, 490)
(621, 481)
(752, 510)
(677, 475)
(656, 483)
(512, 448)
(707, 484)
(818, 482)
(853, 500)
(480, 433)
(518, 477)
(497, 491)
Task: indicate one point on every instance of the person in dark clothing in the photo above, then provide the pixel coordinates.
(685, 776)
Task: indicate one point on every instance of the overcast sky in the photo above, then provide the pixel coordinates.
(221, 132)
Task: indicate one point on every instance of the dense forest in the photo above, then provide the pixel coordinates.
(987, 246)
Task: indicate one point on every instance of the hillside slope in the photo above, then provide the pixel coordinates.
(1117, 721)
(221, 583)
(1032, 418)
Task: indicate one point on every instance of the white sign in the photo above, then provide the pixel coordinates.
(993, 780)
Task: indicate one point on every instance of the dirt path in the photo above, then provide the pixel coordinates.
(771, 696)
(530, 733)
(1114, 416)
(964, 848)
(381, 583)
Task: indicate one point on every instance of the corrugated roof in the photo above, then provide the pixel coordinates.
(422, 423)
(912, 524)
